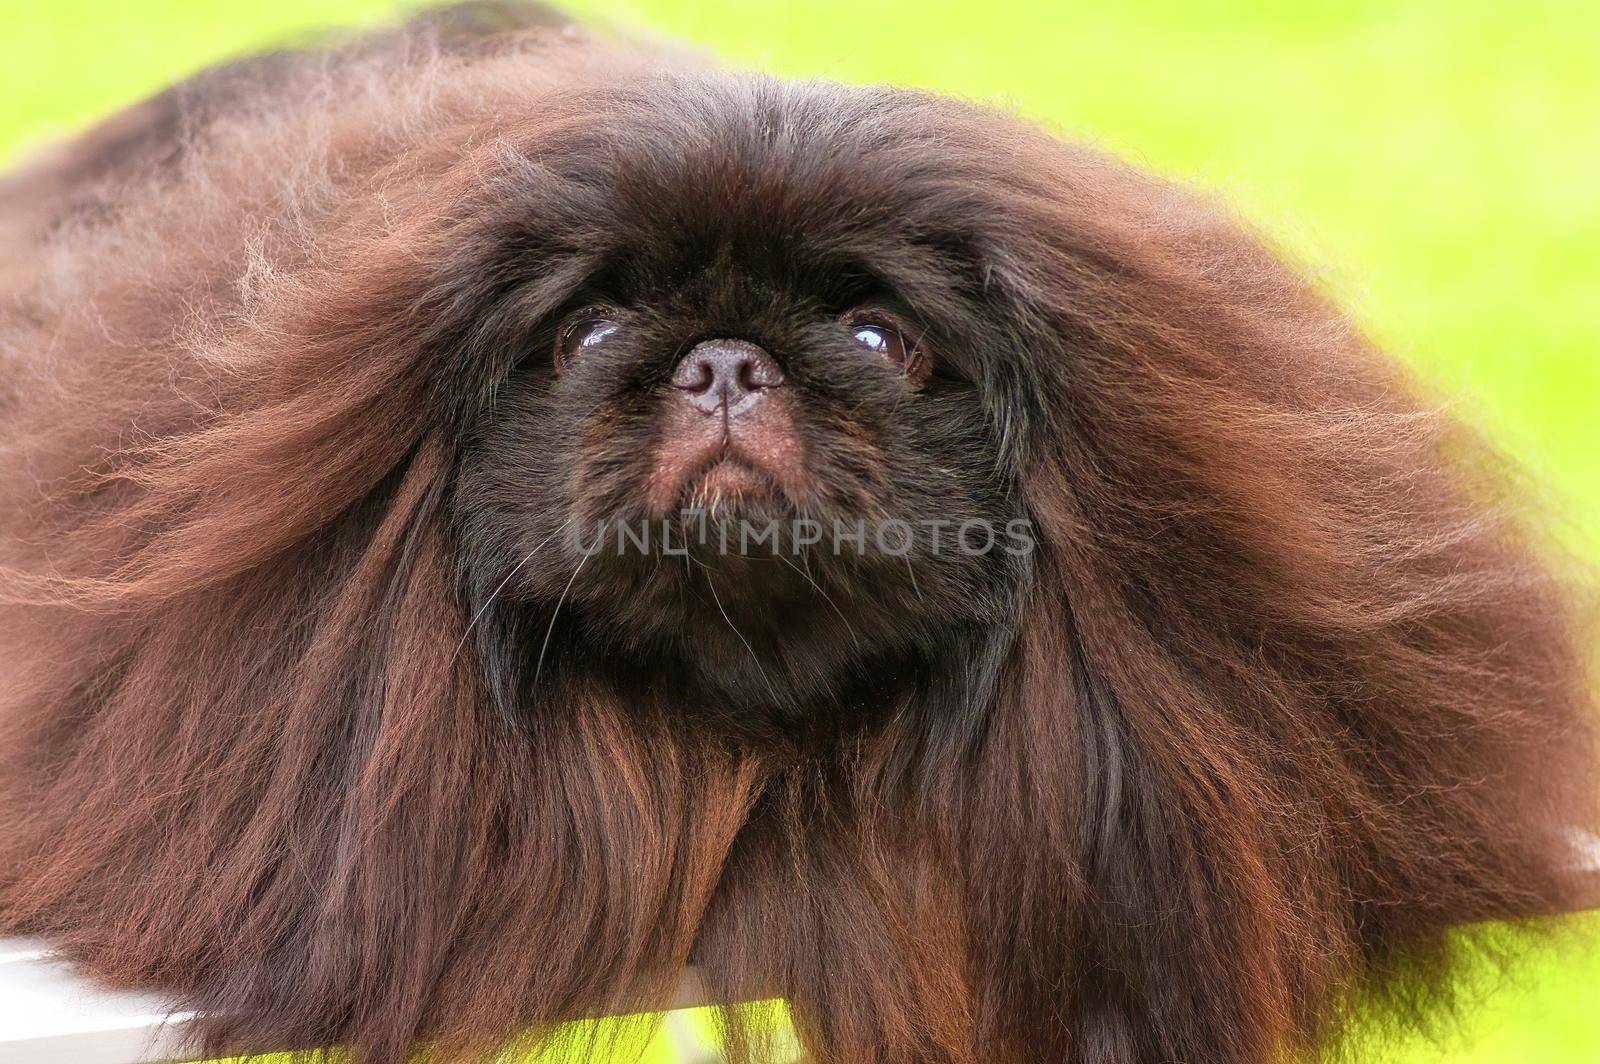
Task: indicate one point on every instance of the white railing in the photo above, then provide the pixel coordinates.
(49, 1015)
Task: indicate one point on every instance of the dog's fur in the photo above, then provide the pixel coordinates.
(312, 720)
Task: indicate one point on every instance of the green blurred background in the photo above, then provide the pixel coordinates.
(1437, 162)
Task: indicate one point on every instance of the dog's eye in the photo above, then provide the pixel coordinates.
(889, 339)
(582, 332)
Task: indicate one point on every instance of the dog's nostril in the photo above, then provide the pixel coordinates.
(726, 373)
(704, 379)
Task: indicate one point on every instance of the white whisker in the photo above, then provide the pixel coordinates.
(710, 583)
(826, 598)
(539, 668)
(515, 569)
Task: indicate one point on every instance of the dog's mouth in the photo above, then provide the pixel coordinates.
(728, 484)
(726, 465)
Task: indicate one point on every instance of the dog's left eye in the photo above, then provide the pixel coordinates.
(887, 338)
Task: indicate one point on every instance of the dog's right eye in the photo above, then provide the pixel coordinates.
(580, 333)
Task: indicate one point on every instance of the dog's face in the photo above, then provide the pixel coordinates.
(748, 442)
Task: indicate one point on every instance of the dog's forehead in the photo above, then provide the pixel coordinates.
(764, 155)
(769, 178)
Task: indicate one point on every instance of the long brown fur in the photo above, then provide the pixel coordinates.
(1295, 692)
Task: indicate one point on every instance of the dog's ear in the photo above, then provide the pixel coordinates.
(245, 751)
(288, 800)
(250, 758)
(1297, 691)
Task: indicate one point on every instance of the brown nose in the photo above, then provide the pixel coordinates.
(726, 376)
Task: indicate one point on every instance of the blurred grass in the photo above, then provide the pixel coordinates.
(1437, 162)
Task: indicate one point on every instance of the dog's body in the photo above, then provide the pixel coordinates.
(317, 719)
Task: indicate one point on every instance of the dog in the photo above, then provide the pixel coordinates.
(492, 516)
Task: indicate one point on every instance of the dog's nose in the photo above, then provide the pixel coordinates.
(726, 375)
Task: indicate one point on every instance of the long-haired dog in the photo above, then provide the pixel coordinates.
(378, 671)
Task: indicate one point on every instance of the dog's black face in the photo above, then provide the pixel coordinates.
(752, 443)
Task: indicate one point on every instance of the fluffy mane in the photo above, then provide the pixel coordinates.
(1296, 690)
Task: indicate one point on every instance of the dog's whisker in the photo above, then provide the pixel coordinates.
(755, 658)
(854, 637)
(515, 569)
(544, 647)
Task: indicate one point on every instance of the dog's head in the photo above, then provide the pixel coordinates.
(763, 426)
